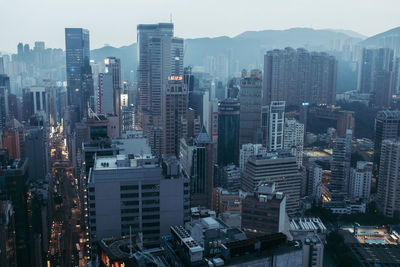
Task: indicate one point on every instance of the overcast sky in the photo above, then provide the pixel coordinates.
(114, 21)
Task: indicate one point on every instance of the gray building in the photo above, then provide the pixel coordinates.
(250, 96)
(388, 197)
(387, 126)
(4, 90)
(278, 167)
(135, 191)
(37, 152)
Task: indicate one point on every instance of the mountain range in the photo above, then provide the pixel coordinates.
(249, 47)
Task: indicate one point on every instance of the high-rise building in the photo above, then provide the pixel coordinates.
(250, 97)
(373, 61)
(8, 257)
(231, 178)
(294, 139)
(136, 192)
(13, 139)
(4, 90)
(298, 76)
(14, 177)
(314, 180)
(279, 167)
(160, 57)
(276, 122)
(228, 132)
(175, 107)
(77, 54)
(387, 126)
(383, 88)
(360, 181)
(340, 165)
(388, 196)
(196, 156)
(37, 152)
(113, 67)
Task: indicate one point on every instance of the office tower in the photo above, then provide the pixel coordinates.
(175, 107)
(160, 56)
(387, 126)
(298, 76)
(360, 181)
(113, 68)
(388, 197)
(196, 156)
(276, 123)
(248, 150)
(250, 97)
(294, 139)
(77, 54)
(279, 167)
(20, 49)
(134, 191)
(105, 98)
(372, 62)
(8, 257)
(264, 212)
(87, 89)
(228, 132)
(14, 174)
(383, 88)
(37, 152)
(191, 125)
(340, 165)
(4, 90)
(396, 76)
(231, 178)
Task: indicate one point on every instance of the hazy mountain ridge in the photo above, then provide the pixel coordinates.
(377, 40)
(249, 47)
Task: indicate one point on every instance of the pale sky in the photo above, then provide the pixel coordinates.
(114, 21)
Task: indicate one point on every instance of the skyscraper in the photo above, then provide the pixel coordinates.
(388, 197)
(4, 90)
(276, 124)
(372, 62)
(250, 97)
(160, 56)
(228, 132)
(360, 181)
(175, 108)
(113, 68)
(387, 126)
(340, 165)
(298, 76)
(77, 53)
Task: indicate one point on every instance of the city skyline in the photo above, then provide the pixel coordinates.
(190, 21)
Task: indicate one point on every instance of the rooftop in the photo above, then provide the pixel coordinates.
(307, 224)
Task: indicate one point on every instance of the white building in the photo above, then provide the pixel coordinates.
(294, 139)
(360, 181)
(248, 150)
(276, 125)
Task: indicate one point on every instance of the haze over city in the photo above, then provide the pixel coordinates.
(199, 133)
(115, 23)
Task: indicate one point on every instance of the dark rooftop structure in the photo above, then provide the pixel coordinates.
(376, 255)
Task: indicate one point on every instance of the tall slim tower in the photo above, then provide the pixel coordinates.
(228, 132)
(77, 53)
(160, 56)
(250, 107)
(340, 165)
(388, 197)
(276, 125)
(175, 108)
(113, 68)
